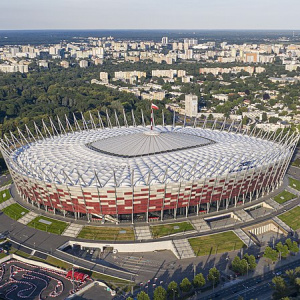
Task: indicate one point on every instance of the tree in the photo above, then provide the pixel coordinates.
(264, 117)
(160, 293)
(199, 281)
(143, 296)
(297, 284)
(237, 267)
(271, 254)
(245, 120)
(129, 298)
(251, 261)
(213, 276)
(282, 249)
(280, 287)
(185, 285)
(292, 275)
(172, 289)
(293, 246)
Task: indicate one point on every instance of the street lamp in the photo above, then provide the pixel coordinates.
(247, 269)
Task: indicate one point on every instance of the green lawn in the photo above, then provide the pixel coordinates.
(296, 163)
(15, 211)
(284, 197)
(163, 230)
(4, 195)
(216, 243)
(56, 226)
(294, 183)
(107, 233)
(291, 218)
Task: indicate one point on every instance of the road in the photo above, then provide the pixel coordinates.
(251, 288)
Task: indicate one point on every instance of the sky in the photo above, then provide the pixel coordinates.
(149, 14)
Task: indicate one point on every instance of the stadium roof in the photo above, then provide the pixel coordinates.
(148, 142)
(123, 158)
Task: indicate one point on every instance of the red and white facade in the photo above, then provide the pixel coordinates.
(62, 173)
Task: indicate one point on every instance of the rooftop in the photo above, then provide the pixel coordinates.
(147, 143)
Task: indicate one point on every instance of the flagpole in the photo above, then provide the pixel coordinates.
(151, 117)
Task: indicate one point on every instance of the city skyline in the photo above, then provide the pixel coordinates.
(92, 14)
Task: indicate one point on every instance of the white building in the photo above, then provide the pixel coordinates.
(83, 64)
(191, 105)
(165, 40)
(104, 76)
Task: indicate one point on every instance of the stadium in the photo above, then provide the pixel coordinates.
(139, 173)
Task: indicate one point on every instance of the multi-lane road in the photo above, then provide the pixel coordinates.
(258, 287)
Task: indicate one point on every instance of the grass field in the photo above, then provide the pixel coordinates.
(15, 211)
(163, 230)
(284, 197)
(56, 226)
(107, 233)
(294, 183)
(216, 243)
(296, 163)
(291, 218)
(4, 195)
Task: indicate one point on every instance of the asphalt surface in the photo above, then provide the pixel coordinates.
(31, 288)
(47, 243)
(4, 179)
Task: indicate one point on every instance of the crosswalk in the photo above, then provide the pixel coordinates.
(273, 204)
(243, 216)
(28, 218)
(7, 203)
(200, 225)
(72, 230)
(184, 249)
(142, 232)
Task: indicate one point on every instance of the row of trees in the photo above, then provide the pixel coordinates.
(287, 284)
(174, 290)
(281, 250)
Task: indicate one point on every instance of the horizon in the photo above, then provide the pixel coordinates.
(155, 14)
(147, 29)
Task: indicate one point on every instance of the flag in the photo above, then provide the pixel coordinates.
(153, 106)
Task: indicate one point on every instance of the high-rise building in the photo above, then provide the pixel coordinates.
(190, 42)
(165, 40)
(191, 105)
